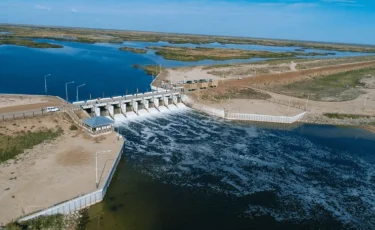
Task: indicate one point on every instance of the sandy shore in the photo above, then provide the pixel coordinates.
(254, 106)
(16, 103)
(54, 171)
(262, 77)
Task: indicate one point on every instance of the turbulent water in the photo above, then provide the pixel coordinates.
(306, 174)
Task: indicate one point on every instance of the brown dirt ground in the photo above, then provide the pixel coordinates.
(53, 171)
(18, 103)
(289, 77)
(253, 105)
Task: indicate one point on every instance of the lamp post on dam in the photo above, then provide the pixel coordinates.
(45, 82)
(78, 88)
(66, 89)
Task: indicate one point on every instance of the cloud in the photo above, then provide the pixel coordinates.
(40, 7)
(74, 10)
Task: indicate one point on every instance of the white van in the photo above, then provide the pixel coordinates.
(51, 109)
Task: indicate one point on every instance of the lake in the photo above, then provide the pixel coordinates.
(190, 171)
(104, 69)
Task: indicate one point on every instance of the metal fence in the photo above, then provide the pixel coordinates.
(79, 202)
(21, 115)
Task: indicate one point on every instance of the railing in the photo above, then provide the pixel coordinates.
(79, 202)
(264, 118)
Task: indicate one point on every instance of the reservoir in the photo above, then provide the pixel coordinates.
(104, 69)
(187, 170)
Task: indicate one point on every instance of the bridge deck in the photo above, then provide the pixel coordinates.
(126, 98)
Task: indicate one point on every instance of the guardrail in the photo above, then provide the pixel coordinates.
(243, 116)
(264, 118)
(81, 202)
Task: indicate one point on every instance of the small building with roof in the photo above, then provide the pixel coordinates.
(98, 124)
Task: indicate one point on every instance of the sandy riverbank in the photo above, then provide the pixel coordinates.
(11, 103)
(54, 171)
(251, 93)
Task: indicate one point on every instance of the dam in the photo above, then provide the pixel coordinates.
(131, 106)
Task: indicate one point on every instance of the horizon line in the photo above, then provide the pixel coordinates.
(194, 34)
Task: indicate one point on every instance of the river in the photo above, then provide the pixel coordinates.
(187, 170)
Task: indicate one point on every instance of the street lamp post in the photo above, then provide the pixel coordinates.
(45, 82)
(96, 166)
(66, 89)
(79, 87)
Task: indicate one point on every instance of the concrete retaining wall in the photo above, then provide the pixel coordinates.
(79, 202)
(264, 118)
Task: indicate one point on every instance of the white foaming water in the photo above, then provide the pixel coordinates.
(172, 107)
(153, 110)
(119, 118)
(309, 180)
(152, 113)
(130, 115)
(163, 109)
(143, 112)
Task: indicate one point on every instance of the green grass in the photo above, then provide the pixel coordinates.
(11, 146)
(92, 36)
(133, 50)
(149, 69)
(55, 222)
(73, 127)
(204, 53)
(345, 116)
(232, 93)
(335, 87)
(28, 43)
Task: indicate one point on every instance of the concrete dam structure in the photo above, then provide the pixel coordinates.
(130, 106)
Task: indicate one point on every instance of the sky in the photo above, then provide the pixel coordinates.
(348, 21)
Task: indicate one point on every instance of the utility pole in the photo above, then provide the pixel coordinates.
(307, 100)
(96, 166)
(45, 82)
(364, 105)
(66, 89)
(78, 88)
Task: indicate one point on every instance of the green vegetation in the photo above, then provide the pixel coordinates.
(73, 127)
(204, 53)
(152, 70)
(216, 95)
(133, 50)
(335, 87)
(116, 36)
(345, 116)
(83, 220)
(11, 146)
(55, 222)
(28, 43)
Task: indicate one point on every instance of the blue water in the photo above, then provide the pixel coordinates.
(191, 171)
(104, 69)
